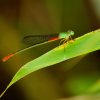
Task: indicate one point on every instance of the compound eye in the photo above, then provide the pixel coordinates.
(71, 32)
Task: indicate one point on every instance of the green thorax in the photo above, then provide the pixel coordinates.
(66, 35)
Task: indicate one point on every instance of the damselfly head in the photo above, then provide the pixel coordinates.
(71, 32)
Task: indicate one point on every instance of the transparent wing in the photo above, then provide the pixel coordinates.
(37, 39)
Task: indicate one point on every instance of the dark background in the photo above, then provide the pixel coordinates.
(74, 77)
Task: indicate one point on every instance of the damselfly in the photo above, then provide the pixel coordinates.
(36, 40)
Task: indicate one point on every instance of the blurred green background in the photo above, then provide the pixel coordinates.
(74, 77)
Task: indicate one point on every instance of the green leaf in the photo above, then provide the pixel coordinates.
(85, 44)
